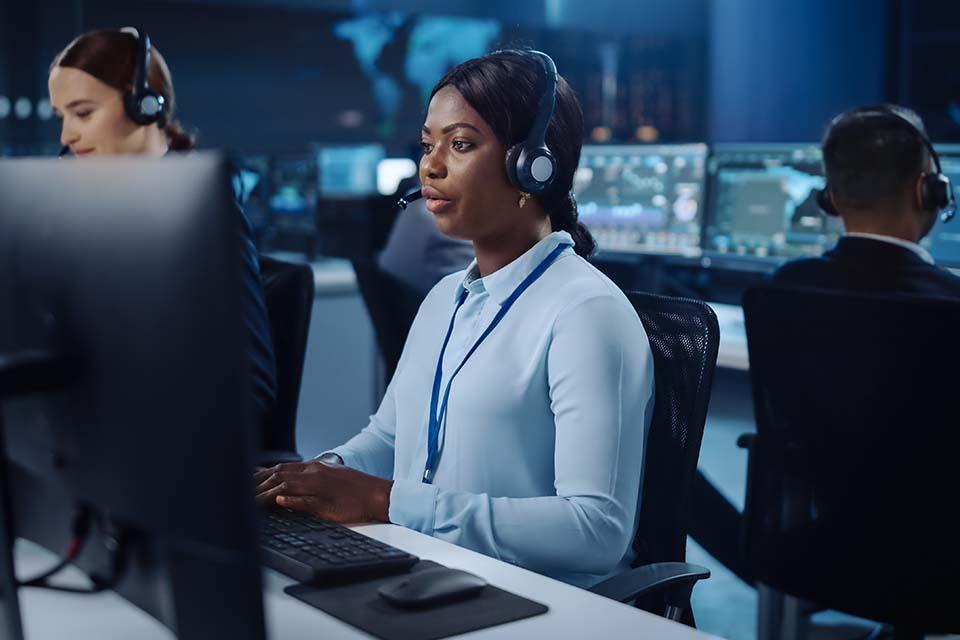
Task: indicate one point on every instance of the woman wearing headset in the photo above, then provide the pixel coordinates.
(516, 421)
(98, 92)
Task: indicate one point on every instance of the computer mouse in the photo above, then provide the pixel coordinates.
(432, 586)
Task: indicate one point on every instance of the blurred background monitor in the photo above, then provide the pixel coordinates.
(348, 171)
(762, 206)
(251, 185)
(642, 198)
(943, 241)
(391, 172)
(293, 185)
(292, 204)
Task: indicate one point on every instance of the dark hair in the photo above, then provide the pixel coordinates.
(871, 155)
(504, 87)
(111, 57)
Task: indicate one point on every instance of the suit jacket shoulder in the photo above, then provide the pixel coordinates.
(863, 264)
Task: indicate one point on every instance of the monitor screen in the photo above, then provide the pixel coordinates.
(250, 180)
(943, 241)
(762, 202)
(348, 171)
(293, 181)
(642, 198)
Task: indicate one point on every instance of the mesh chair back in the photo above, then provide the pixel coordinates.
(288, 290)
(853, 489)
(684, 337)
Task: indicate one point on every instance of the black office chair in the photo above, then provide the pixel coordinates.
(392, 306)
(684, 337)
(852, 480)
(288, 292)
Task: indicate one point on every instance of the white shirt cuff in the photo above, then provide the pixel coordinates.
(330, 457)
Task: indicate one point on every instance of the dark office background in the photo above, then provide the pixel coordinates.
(272, 76)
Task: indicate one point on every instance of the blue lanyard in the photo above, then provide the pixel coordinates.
(433, 434)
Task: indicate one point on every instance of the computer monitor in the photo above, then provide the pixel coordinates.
(293, 186)
(251, 185)
(11, 624)
(943, 241)
(392, 172)
(761, 203)
(292, 204)
(642, 198)
(124, 390)
(348, 171)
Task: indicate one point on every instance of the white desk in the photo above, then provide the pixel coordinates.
(331, 276)
(733, 337)
(574, 613)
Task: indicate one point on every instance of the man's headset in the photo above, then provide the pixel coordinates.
(531, 166)
(142, 104)
(936, 191)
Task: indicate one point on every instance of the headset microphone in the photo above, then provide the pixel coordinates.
(64, 151)
(410, 197)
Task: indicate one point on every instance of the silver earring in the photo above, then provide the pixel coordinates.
(523, 198)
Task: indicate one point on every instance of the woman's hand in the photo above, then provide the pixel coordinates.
(331, 492)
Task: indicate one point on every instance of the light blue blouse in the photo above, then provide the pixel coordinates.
(543, 447)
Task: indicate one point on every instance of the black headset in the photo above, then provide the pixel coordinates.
(142, 104)
(936, 191)
(531, 166)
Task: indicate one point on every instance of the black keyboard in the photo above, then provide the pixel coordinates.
(311, 550)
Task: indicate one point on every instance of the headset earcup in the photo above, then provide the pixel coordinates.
(540, 169)
(823, 201)
(134, 106)
(935, 192)
(511, 163)
(143, 105)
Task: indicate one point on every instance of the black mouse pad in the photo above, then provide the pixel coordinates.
(358, 603)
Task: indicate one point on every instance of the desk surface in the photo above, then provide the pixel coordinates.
(733, 337)
(334, 277)
(331, 276)
(574, 613)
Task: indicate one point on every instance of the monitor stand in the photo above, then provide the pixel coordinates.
(19, 373)
(11, 625)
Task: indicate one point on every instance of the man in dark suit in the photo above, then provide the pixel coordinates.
(883, 180)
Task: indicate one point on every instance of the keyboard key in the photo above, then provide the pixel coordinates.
(365, 557)
(308, 549)
(302, 556)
